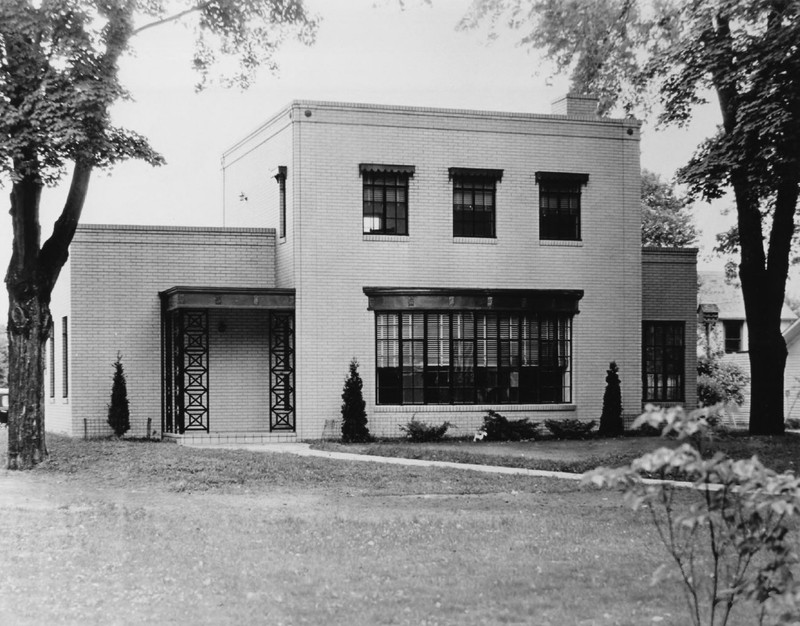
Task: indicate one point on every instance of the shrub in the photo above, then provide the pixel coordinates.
(720, 381)
(118, 410)
(793, 423)
(354, 415)
(569, 428)
(497, 427)
(420, 432)
(611, 424)
(729, 537)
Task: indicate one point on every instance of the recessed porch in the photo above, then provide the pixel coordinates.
(227, 360)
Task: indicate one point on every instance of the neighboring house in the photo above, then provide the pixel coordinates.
(469, 260)
(729, 333)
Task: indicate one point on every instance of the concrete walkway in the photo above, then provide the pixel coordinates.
(304, 449)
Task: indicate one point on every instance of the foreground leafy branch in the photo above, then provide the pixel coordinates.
(732, 537)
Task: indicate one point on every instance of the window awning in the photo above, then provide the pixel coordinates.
(474, 172)
(407, 170)
(226, 298)
(562, 177)
(432, 299)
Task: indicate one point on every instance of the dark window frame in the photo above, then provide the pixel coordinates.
(663, 357)
(385, 198)
(733, 341)
(52, 365)
(280, 176)
(64, 357)
(475, 202)
(560, 205)
(479, 359)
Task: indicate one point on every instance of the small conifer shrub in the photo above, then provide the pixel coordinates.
(118, 411)
(611, 424)
(354, 415)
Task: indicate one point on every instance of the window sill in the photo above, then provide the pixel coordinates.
(564, 243)
(476, 408)
(367, 237)
(485, 241)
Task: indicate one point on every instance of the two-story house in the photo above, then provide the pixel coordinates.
(468, 260)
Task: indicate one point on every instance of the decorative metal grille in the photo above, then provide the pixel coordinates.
(194, 370)
(281, 370)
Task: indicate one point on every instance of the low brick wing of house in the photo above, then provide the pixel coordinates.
(469, 260)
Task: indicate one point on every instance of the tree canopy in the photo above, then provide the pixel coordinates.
(665, 58)
(666, 218)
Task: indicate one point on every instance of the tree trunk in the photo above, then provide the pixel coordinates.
(32, 273)
(767, 362)
(29, 326)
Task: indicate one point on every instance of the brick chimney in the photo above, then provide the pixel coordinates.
(576, 105)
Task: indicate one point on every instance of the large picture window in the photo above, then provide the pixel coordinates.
(473, 357)
(663, 361)
(560, 205)
(385, 198)
(474, 201)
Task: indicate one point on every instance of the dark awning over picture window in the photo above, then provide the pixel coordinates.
(432, 299)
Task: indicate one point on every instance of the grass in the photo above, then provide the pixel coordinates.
(778, 453)
(141, 532)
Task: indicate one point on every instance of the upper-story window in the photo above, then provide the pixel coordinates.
(385, 198)
(734, 335)
(280, 176)
(474, 201)
(560, 205)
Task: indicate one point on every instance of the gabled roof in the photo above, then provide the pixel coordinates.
(712, 289)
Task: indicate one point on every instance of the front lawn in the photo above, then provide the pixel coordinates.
(778, 453)
(132, 532)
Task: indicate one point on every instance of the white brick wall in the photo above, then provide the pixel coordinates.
(334, 261)
(116, 275)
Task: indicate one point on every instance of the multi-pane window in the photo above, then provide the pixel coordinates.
(663, 361)
(386, 198)
(280, 176)
(64, 357)
(474, 201)
(560, 205)
(734, 331)
(473, 357)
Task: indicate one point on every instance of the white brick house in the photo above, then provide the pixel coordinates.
(469, 260)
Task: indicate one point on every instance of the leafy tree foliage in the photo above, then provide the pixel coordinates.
(676, 53)
(354, 415)
(118, 409)
(666, 219)
(720, 381)
(58, 81)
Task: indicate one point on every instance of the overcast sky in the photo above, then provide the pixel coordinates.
(366, 51)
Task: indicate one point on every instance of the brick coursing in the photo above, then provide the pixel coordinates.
(112, 283)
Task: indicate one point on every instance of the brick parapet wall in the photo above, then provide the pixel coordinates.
(116, 275)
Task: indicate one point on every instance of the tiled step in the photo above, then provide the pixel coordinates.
(189, 439)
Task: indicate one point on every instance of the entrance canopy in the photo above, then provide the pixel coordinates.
(227, 298)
